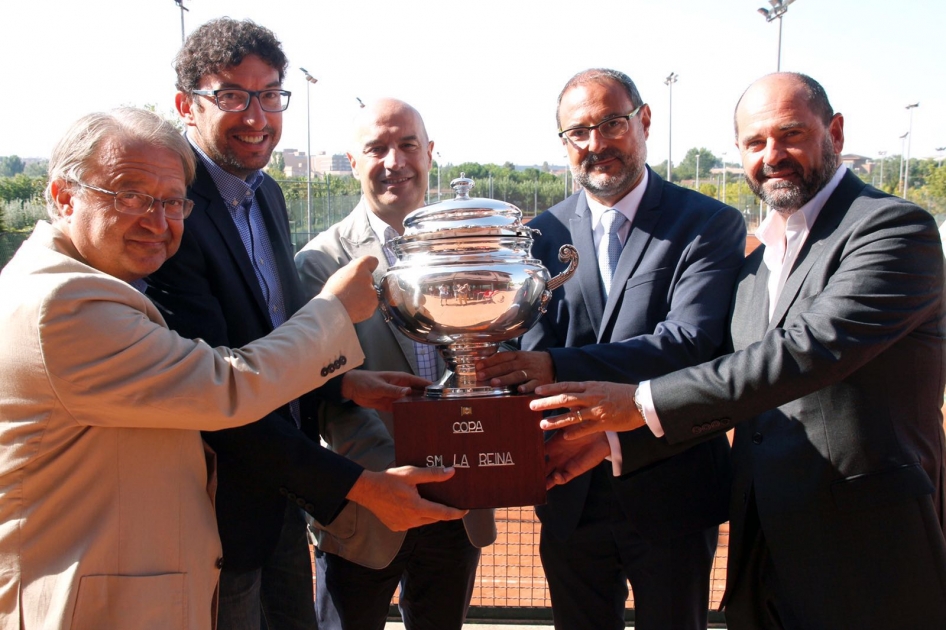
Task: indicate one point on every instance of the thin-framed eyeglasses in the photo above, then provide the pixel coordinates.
(610, 128)
(234, 100)
(138, 204)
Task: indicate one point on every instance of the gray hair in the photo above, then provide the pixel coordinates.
(77, 151)
(599, 75)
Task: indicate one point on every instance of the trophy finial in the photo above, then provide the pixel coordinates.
(463, 185)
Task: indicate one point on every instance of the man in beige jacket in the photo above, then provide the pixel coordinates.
(106, 514)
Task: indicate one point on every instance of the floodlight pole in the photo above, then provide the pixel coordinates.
(906, 174)
(180, 3)
(310, 80)
(669, 81)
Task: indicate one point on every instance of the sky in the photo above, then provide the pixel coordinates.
(485, 75)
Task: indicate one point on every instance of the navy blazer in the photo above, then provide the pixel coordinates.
(667, 309)
(209, 290)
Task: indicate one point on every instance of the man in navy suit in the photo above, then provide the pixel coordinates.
(651, 296)
(234, 281)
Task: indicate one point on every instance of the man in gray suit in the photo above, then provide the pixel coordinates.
(360, 561)
(834, 387)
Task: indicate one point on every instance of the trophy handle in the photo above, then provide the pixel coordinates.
(568, 254)
(384, 307)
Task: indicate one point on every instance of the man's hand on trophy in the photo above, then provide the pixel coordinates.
(566, 459)
(392, 496)
(526, 369)
(379, 390)
(593, 406)
(354, 288)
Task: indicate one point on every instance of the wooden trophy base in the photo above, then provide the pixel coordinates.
(494, 443)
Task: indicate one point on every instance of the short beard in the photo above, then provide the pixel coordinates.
(788, 197)
(610, 186)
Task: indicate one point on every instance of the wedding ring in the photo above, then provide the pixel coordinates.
(525, 377)
(578, 413)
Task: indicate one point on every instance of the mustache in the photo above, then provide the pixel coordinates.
(593, 158)
(788, 164)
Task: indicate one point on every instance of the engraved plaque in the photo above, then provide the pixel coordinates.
(494, 443)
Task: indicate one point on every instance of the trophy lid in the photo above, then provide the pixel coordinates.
(464, 216)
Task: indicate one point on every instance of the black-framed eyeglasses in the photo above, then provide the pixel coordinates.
(138, 204)
(610, 128)
(234, 100)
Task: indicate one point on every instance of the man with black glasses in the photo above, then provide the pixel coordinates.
(234, 281)
(652, 293)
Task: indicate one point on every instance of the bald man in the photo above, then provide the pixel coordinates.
(359, 561)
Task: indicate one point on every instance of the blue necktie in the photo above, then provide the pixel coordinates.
(609, 250)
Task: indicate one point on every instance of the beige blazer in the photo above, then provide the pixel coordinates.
(364, 435)
(106, 514)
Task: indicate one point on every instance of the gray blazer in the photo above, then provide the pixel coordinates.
(836, 405)
(364, 435)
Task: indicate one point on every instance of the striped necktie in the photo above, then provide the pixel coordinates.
(609, 250)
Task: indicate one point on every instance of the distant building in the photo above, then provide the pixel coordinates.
(857, 163)
(295, 163)
(336, 165)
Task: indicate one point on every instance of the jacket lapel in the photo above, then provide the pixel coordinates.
(360, 240)
(823, 232)
(589, 279)
(207, 200)
(277, 226)
(642, 230)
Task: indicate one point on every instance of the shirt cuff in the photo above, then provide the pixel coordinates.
(615, 458)
(650, 413)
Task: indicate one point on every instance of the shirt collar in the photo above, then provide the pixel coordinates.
(233, 189)
(771, 233)
(627, 205)
(377, 224)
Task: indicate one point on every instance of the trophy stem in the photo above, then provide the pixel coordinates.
(459, 380)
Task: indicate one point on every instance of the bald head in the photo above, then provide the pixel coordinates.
(789, 138)
(380, 111)
(391, 156)
(809, 90)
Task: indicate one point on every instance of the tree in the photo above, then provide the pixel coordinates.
(686, 169)
(277, 166)
(21, 187)
(10, 165)
(937, 182)
(37, 169)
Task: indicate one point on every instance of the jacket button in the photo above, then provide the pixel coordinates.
(715, 424)
(757, 438)
(219, 563)
(283, 491)
(291, 496)
(337, 364)
(308, 507)
(324, 372)
(343, 359)
(696, 430)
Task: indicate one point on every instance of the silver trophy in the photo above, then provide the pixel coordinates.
(465, 281)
